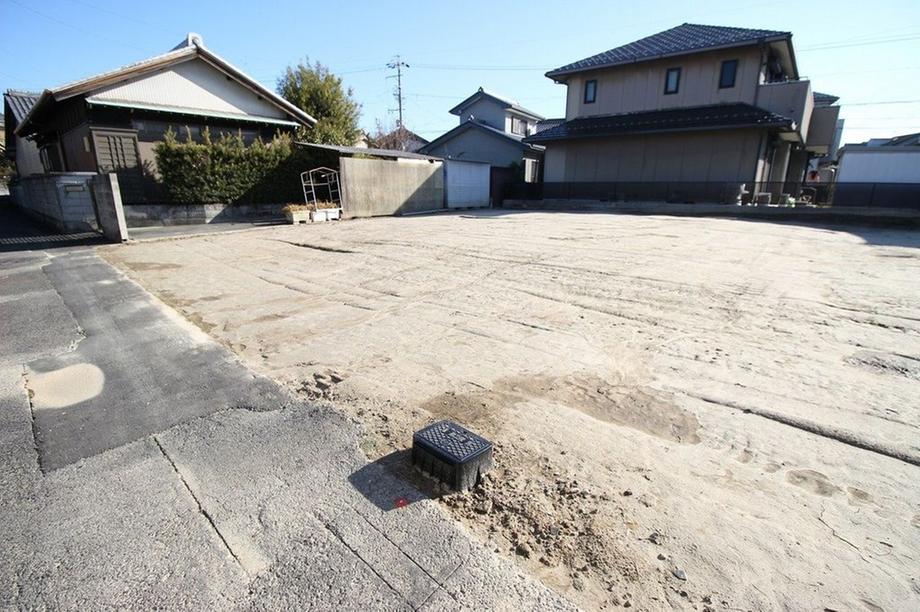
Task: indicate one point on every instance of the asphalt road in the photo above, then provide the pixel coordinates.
(142, 466)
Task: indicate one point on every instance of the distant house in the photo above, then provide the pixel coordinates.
(707, 108)
(399, 139)
(112, 121)
(492, 129)
(21, 151)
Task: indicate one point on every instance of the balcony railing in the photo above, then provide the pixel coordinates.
(792, 99)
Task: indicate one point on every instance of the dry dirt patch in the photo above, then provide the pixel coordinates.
(585, 346)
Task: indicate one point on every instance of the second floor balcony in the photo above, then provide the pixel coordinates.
(792, 99)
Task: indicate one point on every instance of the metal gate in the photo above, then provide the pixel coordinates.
(467, 183)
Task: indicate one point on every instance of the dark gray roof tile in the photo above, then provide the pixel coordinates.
(713, 117)
(20, 103)
(685, 38)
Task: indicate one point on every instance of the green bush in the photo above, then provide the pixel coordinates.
(226, 171)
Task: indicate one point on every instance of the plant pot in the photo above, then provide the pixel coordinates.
(325, 214)
(297, 216)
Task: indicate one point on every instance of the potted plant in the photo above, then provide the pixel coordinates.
(326, 211)
(297, 213)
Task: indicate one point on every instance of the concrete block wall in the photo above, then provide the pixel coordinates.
(61, 200)
(141, 215)
(373, 187)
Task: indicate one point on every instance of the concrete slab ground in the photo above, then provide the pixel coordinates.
(688, 413)
(143, 466)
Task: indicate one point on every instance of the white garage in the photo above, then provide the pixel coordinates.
(467, 183)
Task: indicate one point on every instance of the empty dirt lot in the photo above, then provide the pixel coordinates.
(694, 413)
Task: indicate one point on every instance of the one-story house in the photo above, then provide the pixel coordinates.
(111, 122)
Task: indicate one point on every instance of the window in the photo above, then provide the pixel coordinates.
(590, 91)
(672, 81)
(518, 126)
(727, 74)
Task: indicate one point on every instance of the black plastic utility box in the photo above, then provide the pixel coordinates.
(451, 454)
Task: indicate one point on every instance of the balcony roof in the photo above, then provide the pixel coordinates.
(697, 118)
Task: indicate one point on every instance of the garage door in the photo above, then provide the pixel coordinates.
(467, 183)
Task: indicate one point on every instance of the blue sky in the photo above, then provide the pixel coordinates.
(865, 52)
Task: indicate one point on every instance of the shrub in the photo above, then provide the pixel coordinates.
(226, 171)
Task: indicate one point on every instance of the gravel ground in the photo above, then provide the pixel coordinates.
(694, 413)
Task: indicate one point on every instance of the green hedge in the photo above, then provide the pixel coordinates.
(226, 171)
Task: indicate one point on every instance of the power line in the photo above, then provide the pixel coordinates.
(844, 45)
(880, 102)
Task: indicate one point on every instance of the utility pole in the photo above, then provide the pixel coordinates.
(397, 64)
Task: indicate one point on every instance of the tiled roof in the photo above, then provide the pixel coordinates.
(823, 99)
(672, 120)
(20, 102)
(545, 124)
(907, 140)
(685, 38)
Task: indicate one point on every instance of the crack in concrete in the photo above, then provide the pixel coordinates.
(315, 247)
(30, 394)
(817, 429)
(201, 509)
(338, 536)
(410, 558)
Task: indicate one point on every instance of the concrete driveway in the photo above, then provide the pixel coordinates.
(142, 465)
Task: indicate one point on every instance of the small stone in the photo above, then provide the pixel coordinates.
(627, 604)
(578, 585)
(679, 573)
(484, 507)
(627, 493)
(654, 538)
(661, 557)
(523, 550)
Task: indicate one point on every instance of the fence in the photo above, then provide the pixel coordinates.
(887, 195)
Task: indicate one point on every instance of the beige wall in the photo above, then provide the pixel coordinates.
(793, 100)
(192, 84)
(823, 128)
(373, 187)
(638, 87)
(729, 155)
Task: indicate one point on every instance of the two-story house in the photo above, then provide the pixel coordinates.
(715, 110)
(492, 129)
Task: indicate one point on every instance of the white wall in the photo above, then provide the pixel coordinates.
(467, 183)
(879, 165)
(192, 84)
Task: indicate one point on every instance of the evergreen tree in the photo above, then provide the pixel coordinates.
(318, 92)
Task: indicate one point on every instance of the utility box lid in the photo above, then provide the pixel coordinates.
(451, 454)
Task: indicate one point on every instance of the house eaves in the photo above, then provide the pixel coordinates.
(504, 102)
(685, 39)
(698, 118)
(192, 49)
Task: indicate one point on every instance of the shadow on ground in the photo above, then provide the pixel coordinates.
(21, 233)
(392, 482)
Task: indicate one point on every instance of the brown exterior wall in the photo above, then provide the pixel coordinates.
(640, 87)
(729, 155)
